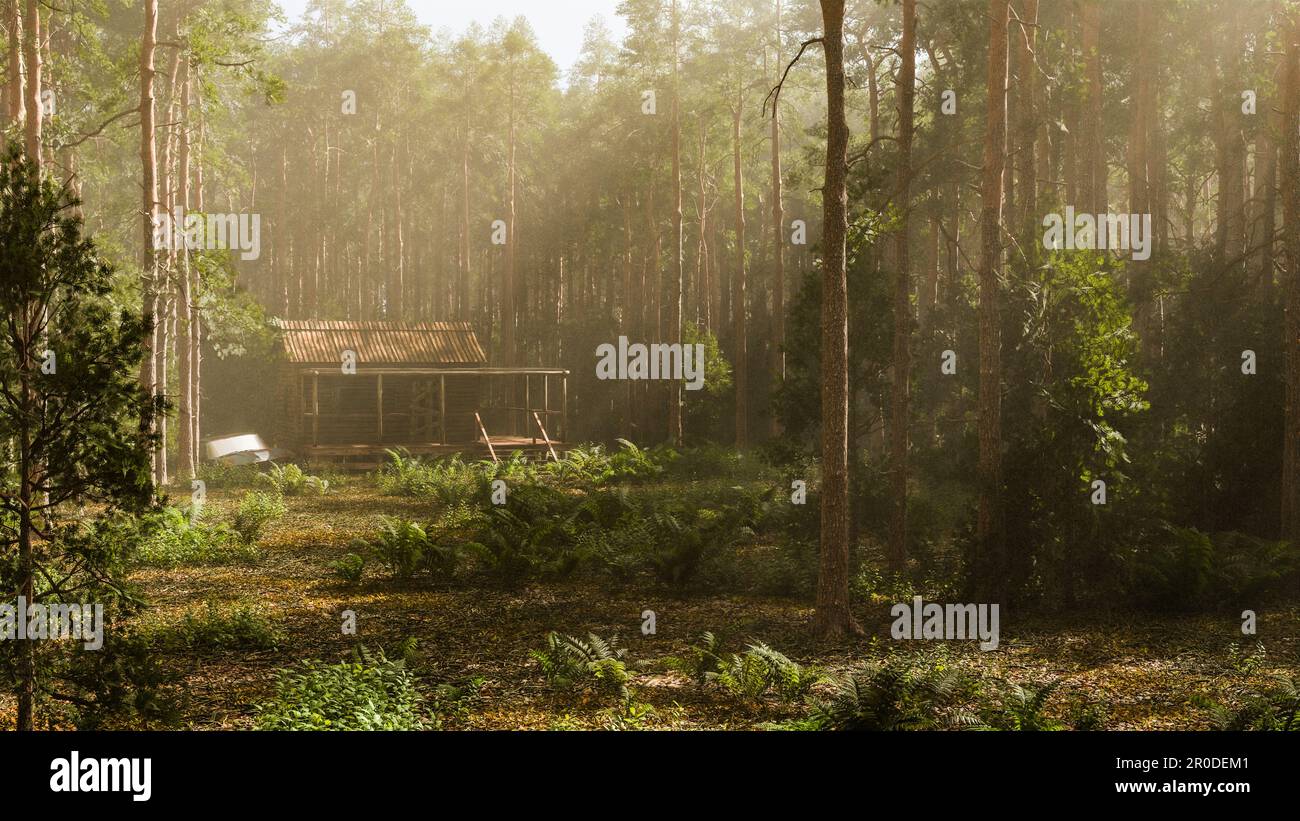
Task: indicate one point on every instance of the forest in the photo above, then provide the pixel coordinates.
(775, 365)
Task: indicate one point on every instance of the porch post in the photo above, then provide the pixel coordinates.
(379, 394)
(315, 408)
(442, 409)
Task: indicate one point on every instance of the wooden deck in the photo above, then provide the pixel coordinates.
(369, 456)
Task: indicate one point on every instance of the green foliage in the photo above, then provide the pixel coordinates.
(1021, 708)
(449, 481)
(218, 475)
(241, 627)
(902, 693)
(760, 670)
(257, 510)
(368, 693)
(1180, 568)
(405, 547)
(171, 537)
(349, 568)
(595, 664)
(76, 430)
(289, 480)
(399, 546)
(1275, 708)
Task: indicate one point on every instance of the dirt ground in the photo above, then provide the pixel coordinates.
(1146, 669)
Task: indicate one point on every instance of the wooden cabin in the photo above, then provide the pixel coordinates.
(348, 391)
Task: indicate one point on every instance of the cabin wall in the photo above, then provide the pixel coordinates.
(349, 409)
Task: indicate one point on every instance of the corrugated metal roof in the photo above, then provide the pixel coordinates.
(322, 341)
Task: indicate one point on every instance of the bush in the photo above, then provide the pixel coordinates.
(1274, 709)
(368, 693)
(761, 669)
(1178, 568)
(903, 693)
(257, 510)
(349, 568)
(171, 537)
(450, 481)
(1021, 707)
(399, 546)
(222, 475)
(289, 480)
(237, 628)
(569, 663)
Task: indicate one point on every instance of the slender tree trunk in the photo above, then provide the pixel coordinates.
(739, 298)
(778, 242)
(902, 298)
(674, 318)
(186, 452)
(989, 535)
(16, 102)
(32, 59)
(149, 172)
(833, 616)
(1290, 193)
(508, 309)
(1093, 190)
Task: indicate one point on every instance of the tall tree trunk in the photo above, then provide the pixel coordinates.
(186, 446)
(902, 354)
(778, 241)
(149, 207)
(833, 617)
(674, 318)
(32, 59)
(989, 535)
(16, 103)
(1290, 193)
(508, 310)
(1027, 127)
(1093, 170)
(739, 299)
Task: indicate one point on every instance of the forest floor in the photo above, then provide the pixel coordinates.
(1145, 669)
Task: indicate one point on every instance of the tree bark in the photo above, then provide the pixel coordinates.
(149, 206)
(989, 534)
(833, 617)
(32, 59)
(739, 298)
(778, 242)
(674, 317)
(1290, 193)
(902, 298)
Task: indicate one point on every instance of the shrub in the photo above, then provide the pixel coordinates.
(170, 537)
(256, 510)
(237, 628)
(899, 694)
(761, 669)
(570, 663)
(1276, 708)
(1021, 708)
(368, 693)
(349, 568)
(289, 480)
(450, 481)
(1179, 568)
(222, 475)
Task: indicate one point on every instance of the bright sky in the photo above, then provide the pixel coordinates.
(558, 23)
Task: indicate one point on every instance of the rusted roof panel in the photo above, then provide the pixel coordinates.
(320, 341)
